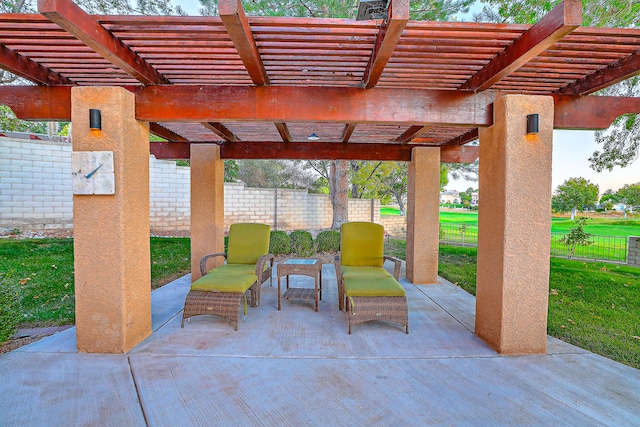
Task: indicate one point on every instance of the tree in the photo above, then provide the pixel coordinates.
(630, 195)
(621, 142)
(575, 193)
(576, 237)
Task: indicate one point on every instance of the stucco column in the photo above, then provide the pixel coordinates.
(514, 226)
(207, 205)
(423, 209)
(111, 232)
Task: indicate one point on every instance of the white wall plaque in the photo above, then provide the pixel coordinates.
(92, 172)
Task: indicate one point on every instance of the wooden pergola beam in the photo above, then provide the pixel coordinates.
(220, 130)
(165, 133)
(292, 151)
(459, 154)
(387, 106)
(411, 133)
(30, 70)
(562, 20)
(235, 21)
(386, 41)
(283, 130)
(38, 102)
(347, 131)
(313, 104)
(85, 28)
(614, 73)
(591, 112)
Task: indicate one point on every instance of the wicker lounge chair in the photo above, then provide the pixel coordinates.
(221, 291)
(365, 289)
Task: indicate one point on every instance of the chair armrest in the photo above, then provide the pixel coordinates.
(204, 259)
(261, 261)
(397, 266)
(337, 264)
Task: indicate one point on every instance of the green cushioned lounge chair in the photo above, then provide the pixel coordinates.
(222, 290)
(365, 289)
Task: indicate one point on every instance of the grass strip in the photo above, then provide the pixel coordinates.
(42, 270)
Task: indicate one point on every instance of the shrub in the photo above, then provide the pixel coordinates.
(9, 309)
(302, 243)
(328, 241)
(577, 236)
(279, 243)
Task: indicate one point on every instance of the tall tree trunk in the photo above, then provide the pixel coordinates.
(339, 192)
(400, 204)
(573, 213)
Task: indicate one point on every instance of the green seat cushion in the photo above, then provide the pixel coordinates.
(362, 244)
(224, 282)
(367, 287)
(234, 269)
(372, 272)
(247, 243)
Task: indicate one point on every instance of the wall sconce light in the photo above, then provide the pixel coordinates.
(532, 124)
(95, 119)
(313, 137)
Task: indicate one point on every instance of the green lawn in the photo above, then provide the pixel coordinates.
(42, 269)
(591, 305)
(595, 226)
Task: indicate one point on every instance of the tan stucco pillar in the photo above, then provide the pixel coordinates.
(514, 226)
(207, 205)
(111, 232)
(423, 205)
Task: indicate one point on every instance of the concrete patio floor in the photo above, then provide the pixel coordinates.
(298, 367)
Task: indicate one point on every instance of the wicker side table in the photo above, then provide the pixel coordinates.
(304, 266)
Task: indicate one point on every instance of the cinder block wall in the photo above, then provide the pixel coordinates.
(35, 184)
(395, 225)
(35, 193)
(633, 257)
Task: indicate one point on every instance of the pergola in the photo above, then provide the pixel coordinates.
(238, 87)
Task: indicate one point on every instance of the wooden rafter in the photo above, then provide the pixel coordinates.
(165, 133)
(85, 28)
(347, 131)
(465, 138)
(283, 130)
(30, 70)
(614, 73)
(235, 21)
(386, 41)
(562, 20)
(411, 133)
(220, 130)
(292, 151)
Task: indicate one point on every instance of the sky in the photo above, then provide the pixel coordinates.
(571, 149)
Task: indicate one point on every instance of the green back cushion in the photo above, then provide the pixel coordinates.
(247, 243)
(362, 244)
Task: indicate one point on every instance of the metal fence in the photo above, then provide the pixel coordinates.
(599, 248)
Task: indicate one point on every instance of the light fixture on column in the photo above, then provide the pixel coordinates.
(95, 119)
(532, 124)
(313, 137)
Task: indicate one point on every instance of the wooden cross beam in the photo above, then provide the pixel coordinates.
(562, 20)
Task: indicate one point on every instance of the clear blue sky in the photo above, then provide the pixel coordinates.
(571, 149)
